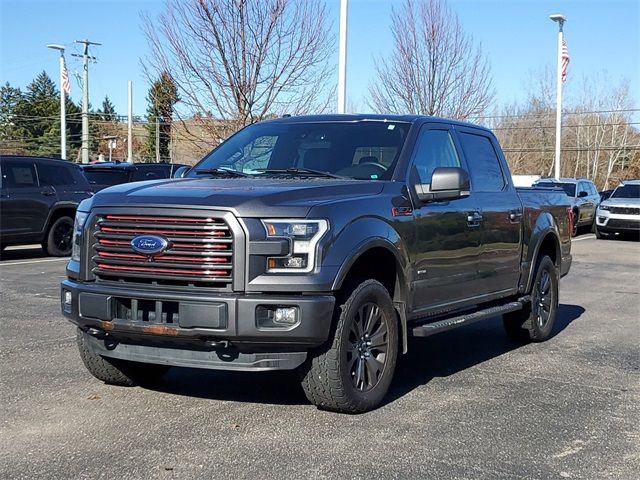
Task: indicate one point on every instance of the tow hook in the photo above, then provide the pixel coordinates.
(217, 343)
(94, 332)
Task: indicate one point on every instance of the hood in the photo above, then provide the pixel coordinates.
(245, 196)
(622, 202)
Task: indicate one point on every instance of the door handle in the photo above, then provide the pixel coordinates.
(515, 215)
(474, 219)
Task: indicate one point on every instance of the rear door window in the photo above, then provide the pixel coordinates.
(486, 171)
(56, 175)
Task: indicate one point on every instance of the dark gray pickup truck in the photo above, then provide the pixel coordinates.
(319, 244)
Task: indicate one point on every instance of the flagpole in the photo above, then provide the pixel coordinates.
(560, 19)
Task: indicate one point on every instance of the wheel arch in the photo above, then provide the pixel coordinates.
(390, 269)
(546, 243)
(66, 209)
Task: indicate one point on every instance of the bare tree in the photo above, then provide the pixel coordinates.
(599, 140)
(236, 62)
(435, 69)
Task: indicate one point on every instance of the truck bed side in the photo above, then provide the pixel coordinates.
(545, 219)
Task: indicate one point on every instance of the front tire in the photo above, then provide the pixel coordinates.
(115, 371)
(535, 321)
(353, 371)
(58, 242)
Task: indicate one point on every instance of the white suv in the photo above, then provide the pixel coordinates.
(620, 213)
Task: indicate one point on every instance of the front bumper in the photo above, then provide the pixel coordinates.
(203, 330)
(616, 222)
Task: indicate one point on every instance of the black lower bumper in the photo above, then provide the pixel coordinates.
(196, 329)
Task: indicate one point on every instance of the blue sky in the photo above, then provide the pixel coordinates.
(516, 35)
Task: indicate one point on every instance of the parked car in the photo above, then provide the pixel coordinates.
(107, 174)
(604, 194)
(38, 201)
(620, 213)
(584, 199)
(319, 244)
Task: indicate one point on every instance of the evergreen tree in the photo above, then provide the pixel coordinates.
(9, 132)
(38, 116)
(162, 97)
(108, 111)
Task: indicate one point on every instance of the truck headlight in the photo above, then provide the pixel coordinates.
(603, 207)
(81, 217)
(303, 236)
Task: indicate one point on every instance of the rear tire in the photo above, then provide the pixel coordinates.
(535, 321)
(353, 371)
(115, 371)
(59, 238)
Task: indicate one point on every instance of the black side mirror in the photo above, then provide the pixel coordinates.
(447, 183)
(583, 194)
(180, 172)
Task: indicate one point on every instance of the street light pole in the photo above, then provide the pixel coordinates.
(560, 19)
(342, 58)
(63, 107)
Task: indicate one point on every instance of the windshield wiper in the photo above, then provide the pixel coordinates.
(298, 171)
(221, 171)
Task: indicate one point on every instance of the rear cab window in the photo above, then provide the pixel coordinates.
(484, 165)
(106, 176)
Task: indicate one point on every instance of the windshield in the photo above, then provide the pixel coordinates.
(361, 150)
(569, 188)
(626, 191)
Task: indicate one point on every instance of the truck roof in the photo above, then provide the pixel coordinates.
(373, 117)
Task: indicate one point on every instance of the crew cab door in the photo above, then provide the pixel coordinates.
(25, 204)
(502, 215)
(445, 249)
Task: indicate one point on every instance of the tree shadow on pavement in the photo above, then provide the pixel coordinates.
(450, 352)
(441, 355)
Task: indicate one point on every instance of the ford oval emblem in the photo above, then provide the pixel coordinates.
(149, 244)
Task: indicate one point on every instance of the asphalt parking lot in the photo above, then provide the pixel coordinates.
(466, 404)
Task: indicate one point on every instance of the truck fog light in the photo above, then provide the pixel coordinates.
(67, 297)
(286, 316)
(271, 316)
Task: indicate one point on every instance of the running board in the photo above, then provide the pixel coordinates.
(466, 319)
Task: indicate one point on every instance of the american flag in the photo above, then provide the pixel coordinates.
(66, 86)
(565, 60)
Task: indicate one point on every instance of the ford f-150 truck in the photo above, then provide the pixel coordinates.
(319, 243)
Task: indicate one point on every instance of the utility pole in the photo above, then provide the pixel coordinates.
(342, 58)
(85, 97)
(130, 124)
(157, 140)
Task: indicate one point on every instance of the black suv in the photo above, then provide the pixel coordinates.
(107, 174)
(38, 200)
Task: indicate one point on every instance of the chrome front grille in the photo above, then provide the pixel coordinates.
(625, 210)
(200, 250)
